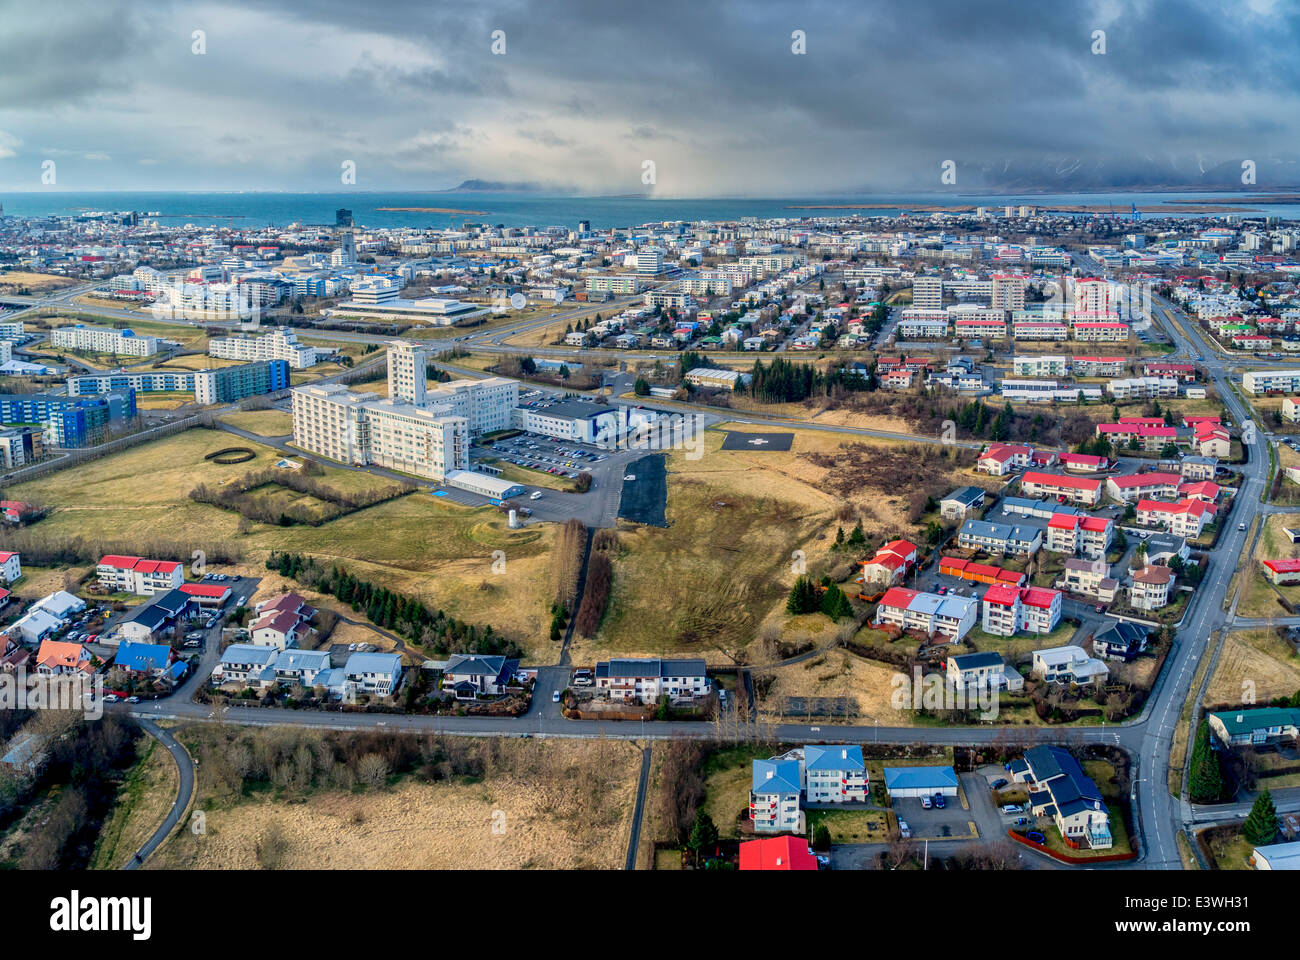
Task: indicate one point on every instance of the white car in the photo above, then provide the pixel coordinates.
(555, 697)
(535, 495)
(629, 477)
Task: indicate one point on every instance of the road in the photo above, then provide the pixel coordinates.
(185, 767)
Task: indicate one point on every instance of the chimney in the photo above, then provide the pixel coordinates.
(769, 774)
(778, 861)
(1241, 718)
(844, 754)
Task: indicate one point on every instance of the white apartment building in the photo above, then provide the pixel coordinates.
(1266, 381)
(280, 344)
(330, 420)
(1009, 291)
(927, 293)
(416, 440)
(104, 340)
(137, 575)
(1151, 587)
(1039, 366)
(646, 680)
(407, 372)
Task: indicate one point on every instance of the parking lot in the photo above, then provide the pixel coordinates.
(950, 821)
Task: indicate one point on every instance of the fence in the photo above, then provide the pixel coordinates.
(85, 454)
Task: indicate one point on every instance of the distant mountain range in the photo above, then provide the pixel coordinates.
(499, 186)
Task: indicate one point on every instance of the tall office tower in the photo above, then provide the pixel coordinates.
(927, 293)
(1009, 291)
(406, 373)
(342, 217)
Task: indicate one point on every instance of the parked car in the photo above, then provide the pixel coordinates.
(1101, 608)
(904, 830)
(132, 699)
(555, 697)
(1012, 808)
(112, 698)
(999, 783)
(939, 801)
(926, 803)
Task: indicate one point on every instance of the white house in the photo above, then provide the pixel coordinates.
(1068, 664)
(10, 566)
(645, 681)
(377, 673)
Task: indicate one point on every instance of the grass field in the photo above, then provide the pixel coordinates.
(142, 803)
(728, 775)
(851, 826)
(1258, 596)
(726, 561)
(418, 544)
(1253, 663)
(264, 423)
(12, 280)
(542, 805)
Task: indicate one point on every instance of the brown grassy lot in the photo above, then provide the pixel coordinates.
(836, 674)
(724, 563)
(37, 582)
(12, 280)
(1258, 596)
(1255, 657)
(418, 544)
(561, 805)
(264, 423)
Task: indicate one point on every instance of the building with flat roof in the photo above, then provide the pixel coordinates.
(104, 340)
(279, 344)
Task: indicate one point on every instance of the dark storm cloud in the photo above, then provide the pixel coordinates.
(710, 91)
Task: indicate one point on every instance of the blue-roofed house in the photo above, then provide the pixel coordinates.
(1058, 788)
(920, 781)
(376, 673)
(143, 659)
(246, 663)
(774, 796)
(834, 773)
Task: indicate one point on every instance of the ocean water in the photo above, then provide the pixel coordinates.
(253, 210)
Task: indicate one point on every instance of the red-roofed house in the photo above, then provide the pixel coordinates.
(1282, 571)
(1186, 518)
(1148, 437)
(1204, 490)
(10, 566)
(1002, 458)
(777, 853)
(1083, 462)
(890, 564)
(1136, 486)
(123, 574)
(207, 594)
(1074, 534)
(1078, 489)
(55, 658)
(276, 628)
(1010, 610)
(1211, 440)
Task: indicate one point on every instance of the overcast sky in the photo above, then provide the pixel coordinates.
(588, 90)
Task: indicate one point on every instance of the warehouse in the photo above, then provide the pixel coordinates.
(483, 485)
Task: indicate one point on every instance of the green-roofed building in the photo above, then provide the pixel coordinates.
(1262, 725)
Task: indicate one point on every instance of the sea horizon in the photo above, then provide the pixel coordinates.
(256, 209)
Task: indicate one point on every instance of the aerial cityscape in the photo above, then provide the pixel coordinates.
(472, 467)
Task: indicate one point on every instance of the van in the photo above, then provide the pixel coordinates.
(535, 495)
